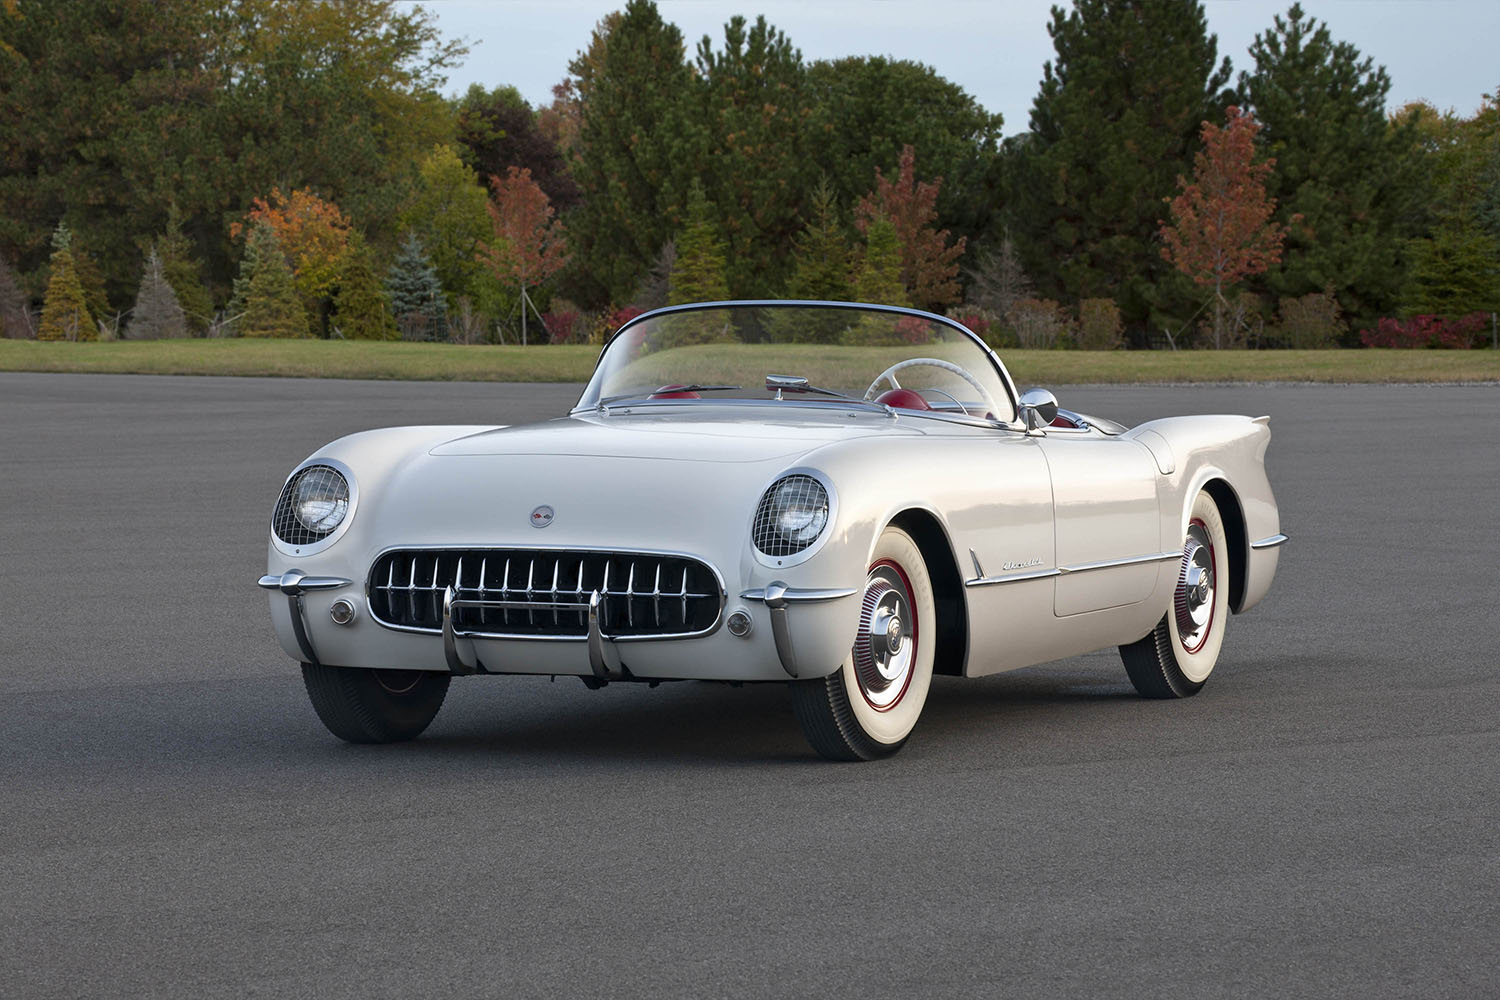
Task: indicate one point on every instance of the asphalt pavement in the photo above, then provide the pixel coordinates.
(175, 822)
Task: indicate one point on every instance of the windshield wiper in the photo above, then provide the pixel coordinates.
(646, 394)
(796, 383)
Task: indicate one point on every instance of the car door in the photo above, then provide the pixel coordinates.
(1107, 526)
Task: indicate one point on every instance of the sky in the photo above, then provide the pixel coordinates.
(1443, 51)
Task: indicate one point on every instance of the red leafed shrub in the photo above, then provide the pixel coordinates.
(1425, 331)
(563, 325)
(914, 330)
(976, 321)
(623, 315)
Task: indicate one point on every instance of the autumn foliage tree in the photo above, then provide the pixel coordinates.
(314, 236)
(1221, 229)
(929, 264)
(529, 246)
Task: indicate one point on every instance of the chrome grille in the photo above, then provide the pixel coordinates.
(544, 593)
(321, 479)
(795, 490)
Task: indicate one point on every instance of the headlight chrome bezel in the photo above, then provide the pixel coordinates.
(308, 548)
(812, 548)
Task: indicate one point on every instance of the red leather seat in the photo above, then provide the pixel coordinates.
(903, 399)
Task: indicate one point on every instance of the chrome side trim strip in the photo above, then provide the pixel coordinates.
(796, 595)
(1041, 574)
(1270, 542)
(1129, 561)
(1035, 574)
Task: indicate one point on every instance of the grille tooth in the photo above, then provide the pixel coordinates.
(678, 596)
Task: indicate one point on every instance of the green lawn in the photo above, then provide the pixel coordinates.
(338, 359)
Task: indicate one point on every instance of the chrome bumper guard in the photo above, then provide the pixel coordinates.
(294, 583)
(777, 596)
(599, 661)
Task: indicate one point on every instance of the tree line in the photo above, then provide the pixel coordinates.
(255, 168)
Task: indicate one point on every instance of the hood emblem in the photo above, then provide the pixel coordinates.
(542, 516)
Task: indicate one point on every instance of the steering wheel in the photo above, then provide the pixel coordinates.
(889, 375)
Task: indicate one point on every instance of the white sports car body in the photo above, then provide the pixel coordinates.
(844, 498)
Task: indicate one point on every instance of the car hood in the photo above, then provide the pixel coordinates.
(728, 439)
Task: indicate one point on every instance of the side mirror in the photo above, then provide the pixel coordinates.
(1038, 408)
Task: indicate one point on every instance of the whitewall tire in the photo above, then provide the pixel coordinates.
(870, 705)
(1175, 660)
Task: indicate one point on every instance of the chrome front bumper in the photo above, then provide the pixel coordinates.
(777, 596)
(604, 661)
(294, 583)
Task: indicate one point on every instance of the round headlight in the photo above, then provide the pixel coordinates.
(313, 504)
(791, 515)
(321, 501)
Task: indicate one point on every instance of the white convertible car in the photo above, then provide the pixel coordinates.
(846, 499)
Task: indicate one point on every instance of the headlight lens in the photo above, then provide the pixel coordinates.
(791, 516)
(313, 504)
(321, 502)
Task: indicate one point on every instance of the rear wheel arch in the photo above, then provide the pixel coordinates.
(1233, 515)
(927, 531)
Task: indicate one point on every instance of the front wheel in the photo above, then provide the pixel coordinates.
(1175, 660)
(869, 706)
(374, 706)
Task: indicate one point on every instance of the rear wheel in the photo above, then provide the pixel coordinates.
(374, 706)
(1175, 660)
(869, 706)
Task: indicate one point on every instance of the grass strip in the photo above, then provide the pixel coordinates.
(567, 363)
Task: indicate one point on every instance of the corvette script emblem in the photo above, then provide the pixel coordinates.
(542, 516)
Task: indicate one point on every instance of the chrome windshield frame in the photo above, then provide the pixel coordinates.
(1005, 380)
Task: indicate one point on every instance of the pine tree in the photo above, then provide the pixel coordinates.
(184, 272)
(698, 272)
(820, 253)
(632, 152)
(157, 314)
(415, 294)
(361, 311)
(760, 131)
(879, 281)
(1340, 165)
(1453, 272)
(272, 308)
(1114, 123)
(65, 311)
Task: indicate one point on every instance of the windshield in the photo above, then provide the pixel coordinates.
(798, 351)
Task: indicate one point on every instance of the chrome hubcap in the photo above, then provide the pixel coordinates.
(1193, 604)
(884, 647)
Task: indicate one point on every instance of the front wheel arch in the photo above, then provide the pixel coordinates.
(952, 647)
